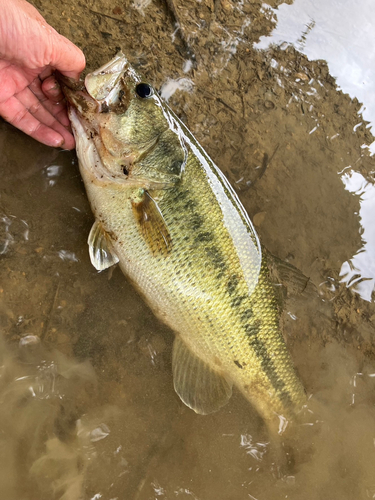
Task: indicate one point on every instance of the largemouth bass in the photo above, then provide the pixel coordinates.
(174, 224)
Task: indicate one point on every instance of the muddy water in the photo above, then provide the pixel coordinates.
(87, 407)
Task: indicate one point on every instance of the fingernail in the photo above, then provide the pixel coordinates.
(57, 143)
(54, 90)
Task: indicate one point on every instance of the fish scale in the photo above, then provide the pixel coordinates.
(182, 237)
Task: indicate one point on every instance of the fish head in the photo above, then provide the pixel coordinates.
(124, 131)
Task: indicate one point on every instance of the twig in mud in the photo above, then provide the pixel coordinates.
(207, 94)
(171, 8)
(266, 161)
(215, 11)
(106, 15)
(219, 99)
(217, 7)
(243, 106)
(173, 11)
(50, 314)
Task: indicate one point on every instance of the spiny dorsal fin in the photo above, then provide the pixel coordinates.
(151, 222)
(294, 281)
(101, 252)
(198, 385)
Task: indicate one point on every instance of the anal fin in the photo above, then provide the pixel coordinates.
(200, 387)
(101, 252)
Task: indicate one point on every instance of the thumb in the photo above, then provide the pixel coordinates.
(67, 57)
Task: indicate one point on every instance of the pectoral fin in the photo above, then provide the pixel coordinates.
(101, 251)
(151, 222)
(198, 385)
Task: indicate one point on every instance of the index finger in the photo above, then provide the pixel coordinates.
(17, 114)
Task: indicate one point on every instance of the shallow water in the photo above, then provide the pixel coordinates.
(87, 406)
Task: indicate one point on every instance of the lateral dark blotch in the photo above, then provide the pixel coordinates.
(204, 237)
(261, 352)
(189, 205)
(196, 221)
(215, 256)
(252, 330)
(232, 284)
(236, 301)
(278, 383)
(237, 363)
(246, 315)
(220, 274)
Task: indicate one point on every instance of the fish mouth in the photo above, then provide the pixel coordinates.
(105, 83)
(76, 95)
(103, 89)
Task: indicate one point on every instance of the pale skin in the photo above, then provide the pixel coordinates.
(30, 51)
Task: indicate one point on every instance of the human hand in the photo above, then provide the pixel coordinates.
(30, 97)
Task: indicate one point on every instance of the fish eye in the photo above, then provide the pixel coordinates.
(144, 90)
